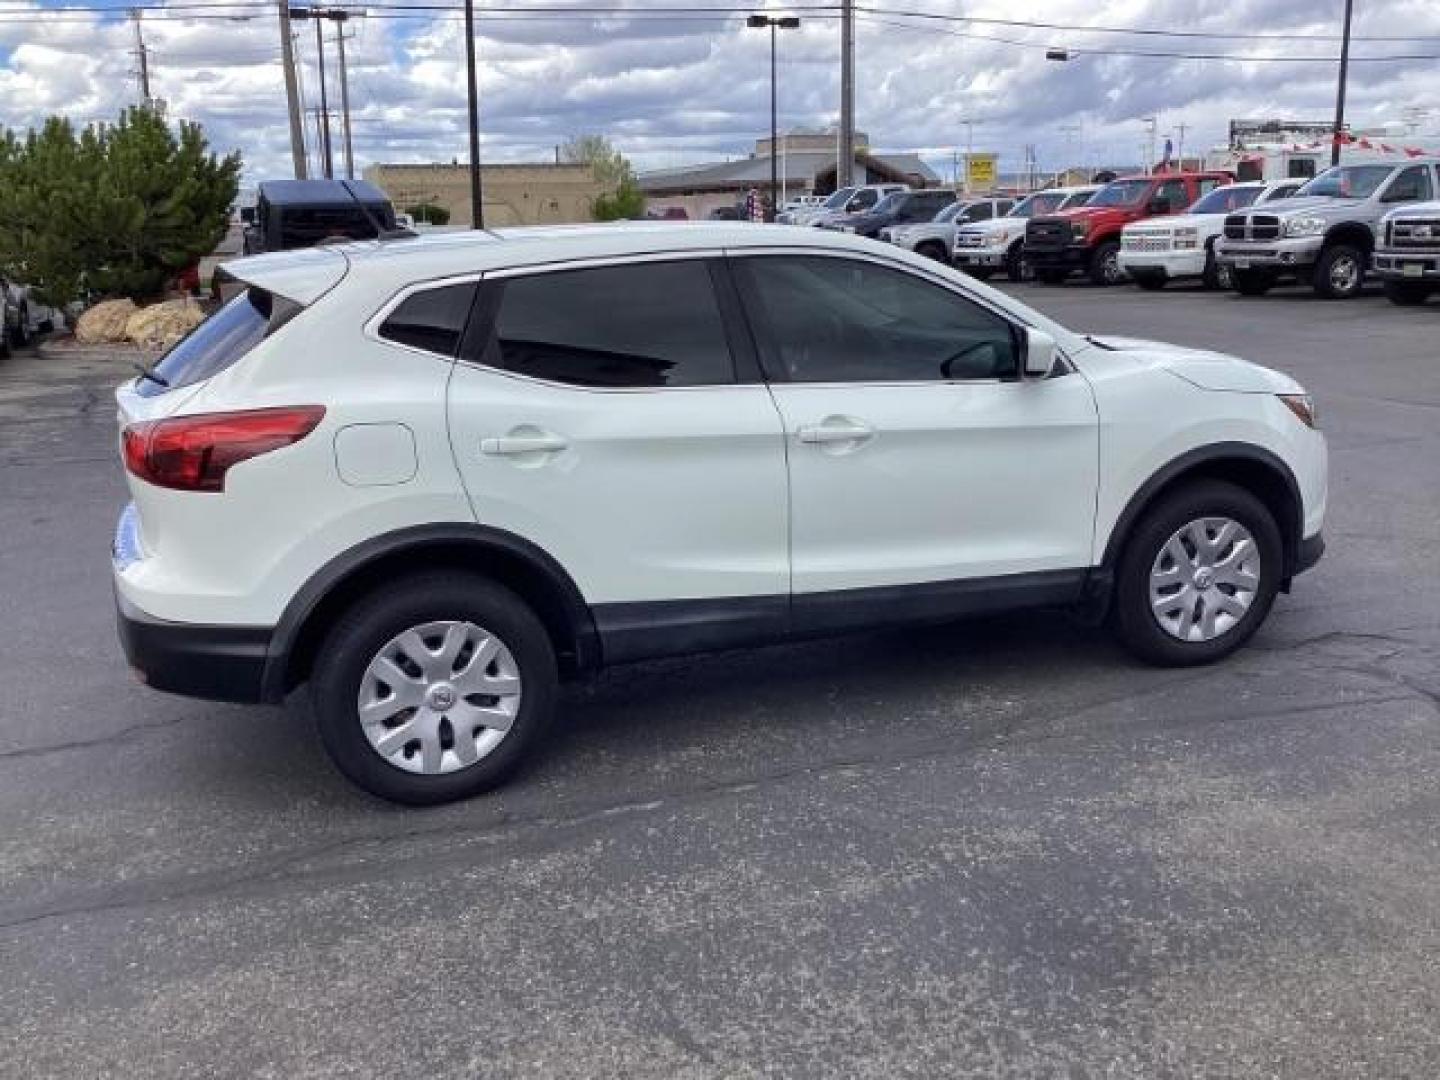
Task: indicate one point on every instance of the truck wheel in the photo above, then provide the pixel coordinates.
(1408, 293)
(434, 688)
(1252, 282)
(1104, 266)
(1050, 277)
(1340, 272)
(1198, 575)
(1216, 274)
(1017, 267)
(20, 332)
(933, 251)
(1150, 280)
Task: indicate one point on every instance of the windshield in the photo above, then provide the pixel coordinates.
(888, 205)
(1347, 182)
(1080, 198)
(1225, 199)
(948, 214)
(1120, 193)
(839, 199)
(1044, 202)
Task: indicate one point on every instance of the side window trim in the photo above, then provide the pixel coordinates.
(758, 330)
(479, 337)
(371, 330)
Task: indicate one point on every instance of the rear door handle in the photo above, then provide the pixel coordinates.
(540, 442)
(835, 429)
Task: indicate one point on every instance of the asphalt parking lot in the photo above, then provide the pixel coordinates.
(993, 849)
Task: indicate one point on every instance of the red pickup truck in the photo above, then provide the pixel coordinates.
(1088, 237)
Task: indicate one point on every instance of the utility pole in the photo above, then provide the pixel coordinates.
(326, 156)
(339, 16)
(143, 57)
(969, 126)
(1180, 130)
(845, 166)
(292, 92)
(1340, 93)
(1151, 125)
(774, 23)
(477, 194)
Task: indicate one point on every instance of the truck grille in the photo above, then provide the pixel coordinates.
(968, 239)
(1252, 227)
(1145, 241)
(1047, 234)
(1414, 233)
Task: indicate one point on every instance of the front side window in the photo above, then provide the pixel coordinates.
(432, 319)
(981, 211)
(864, 200)
(1174, 194)
(1120, 193)
(640, 325)
(824, 320)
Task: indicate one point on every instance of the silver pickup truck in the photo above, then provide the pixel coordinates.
(1407, 253)
(1325, 235)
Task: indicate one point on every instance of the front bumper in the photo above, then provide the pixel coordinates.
(1173, 264)
(979, 256)
(1070, 257)
(1285, 255)
(1395, 266)
(220, 663)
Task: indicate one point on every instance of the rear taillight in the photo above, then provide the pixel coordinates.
(193, 453)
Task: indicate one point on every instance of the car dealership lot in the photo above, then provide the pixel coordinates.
(999, 847)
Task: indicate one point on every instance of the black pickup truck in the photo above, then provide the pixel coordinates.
(302, 213)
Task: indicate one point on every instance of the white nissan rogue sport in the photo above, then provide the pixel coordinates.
(431, 477)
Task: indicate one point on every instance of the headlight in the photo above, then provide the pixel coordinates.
(1187, 238)
(1000, 236)
(1302, 407)
(1304, 226)
(845, 228)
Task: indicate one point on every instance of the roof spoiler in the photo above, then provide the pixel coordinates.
(302, 276)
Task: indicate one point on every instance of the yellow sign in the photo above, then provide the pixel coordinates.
(980, 171)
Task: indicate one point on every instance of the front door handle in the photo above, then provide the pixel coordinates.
(835, 429)
(528, 442)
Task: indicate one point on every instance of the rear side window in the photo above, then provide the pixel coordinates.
(641, 325)
(432, 319)
(219, 341)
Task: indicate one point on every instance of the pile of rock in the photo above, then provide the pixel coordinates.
(113, 322)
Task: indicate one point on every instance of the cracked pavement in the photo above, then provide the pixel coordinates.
(997, 848)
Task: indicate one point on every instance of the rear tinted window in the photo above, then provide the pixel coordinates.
(218, 342)
(306, 226)
(643, 325)
(433, 319)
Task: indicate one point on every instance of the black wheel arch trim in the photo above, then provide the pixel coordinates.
(307, 601)
(1204, 455)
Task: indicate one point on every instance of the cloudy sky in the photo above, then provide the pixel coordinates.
(687, 83)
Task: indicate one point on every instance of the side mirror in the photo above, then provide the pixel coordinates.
(247, 215)
(1037, 354)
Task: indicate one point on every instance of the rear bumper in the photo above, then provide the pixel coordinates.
(1309, 552)
(220, 663)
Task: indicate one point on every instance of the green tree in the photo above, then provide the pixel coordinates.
(611, 168)
(117, 209)
(429, 213)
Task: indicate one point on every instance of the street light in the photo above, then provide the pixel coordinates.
(773, 22)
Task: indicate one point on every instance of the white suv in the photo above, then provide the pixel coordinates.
(430, 477)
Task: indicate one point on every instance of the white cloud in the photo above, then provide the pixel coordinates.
(675, 91)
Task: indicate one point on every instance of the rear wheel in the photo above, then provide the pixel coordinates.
(1198, 575)
(1340, 272)
(1152, 280)
(1104, 266)
(1252, 282)
(1408, 293)
(434, 688)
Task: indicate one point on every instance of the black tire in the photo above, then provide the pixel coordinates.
(1104, 267)
(932, 250)
(1408, 293)
(364, 630)
(20, 332)
(1216, 275)
(1252, 282)
(1331, 280)
(1131, 615)
(1051, 277)
(1017, 267)
(1150, 280)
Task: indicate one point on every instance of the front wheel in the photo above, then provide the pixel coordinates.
(1017, 267)
(1408, 293)
(1340, 272)
(1198, 575)
(1104, 266)
(20, 332)
(934, 251)
(434, 688)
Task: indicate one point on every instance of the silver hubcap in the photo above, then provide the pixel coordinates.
(1344, 273)
(1111, 267)
(439, 697)
(1204, 579)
